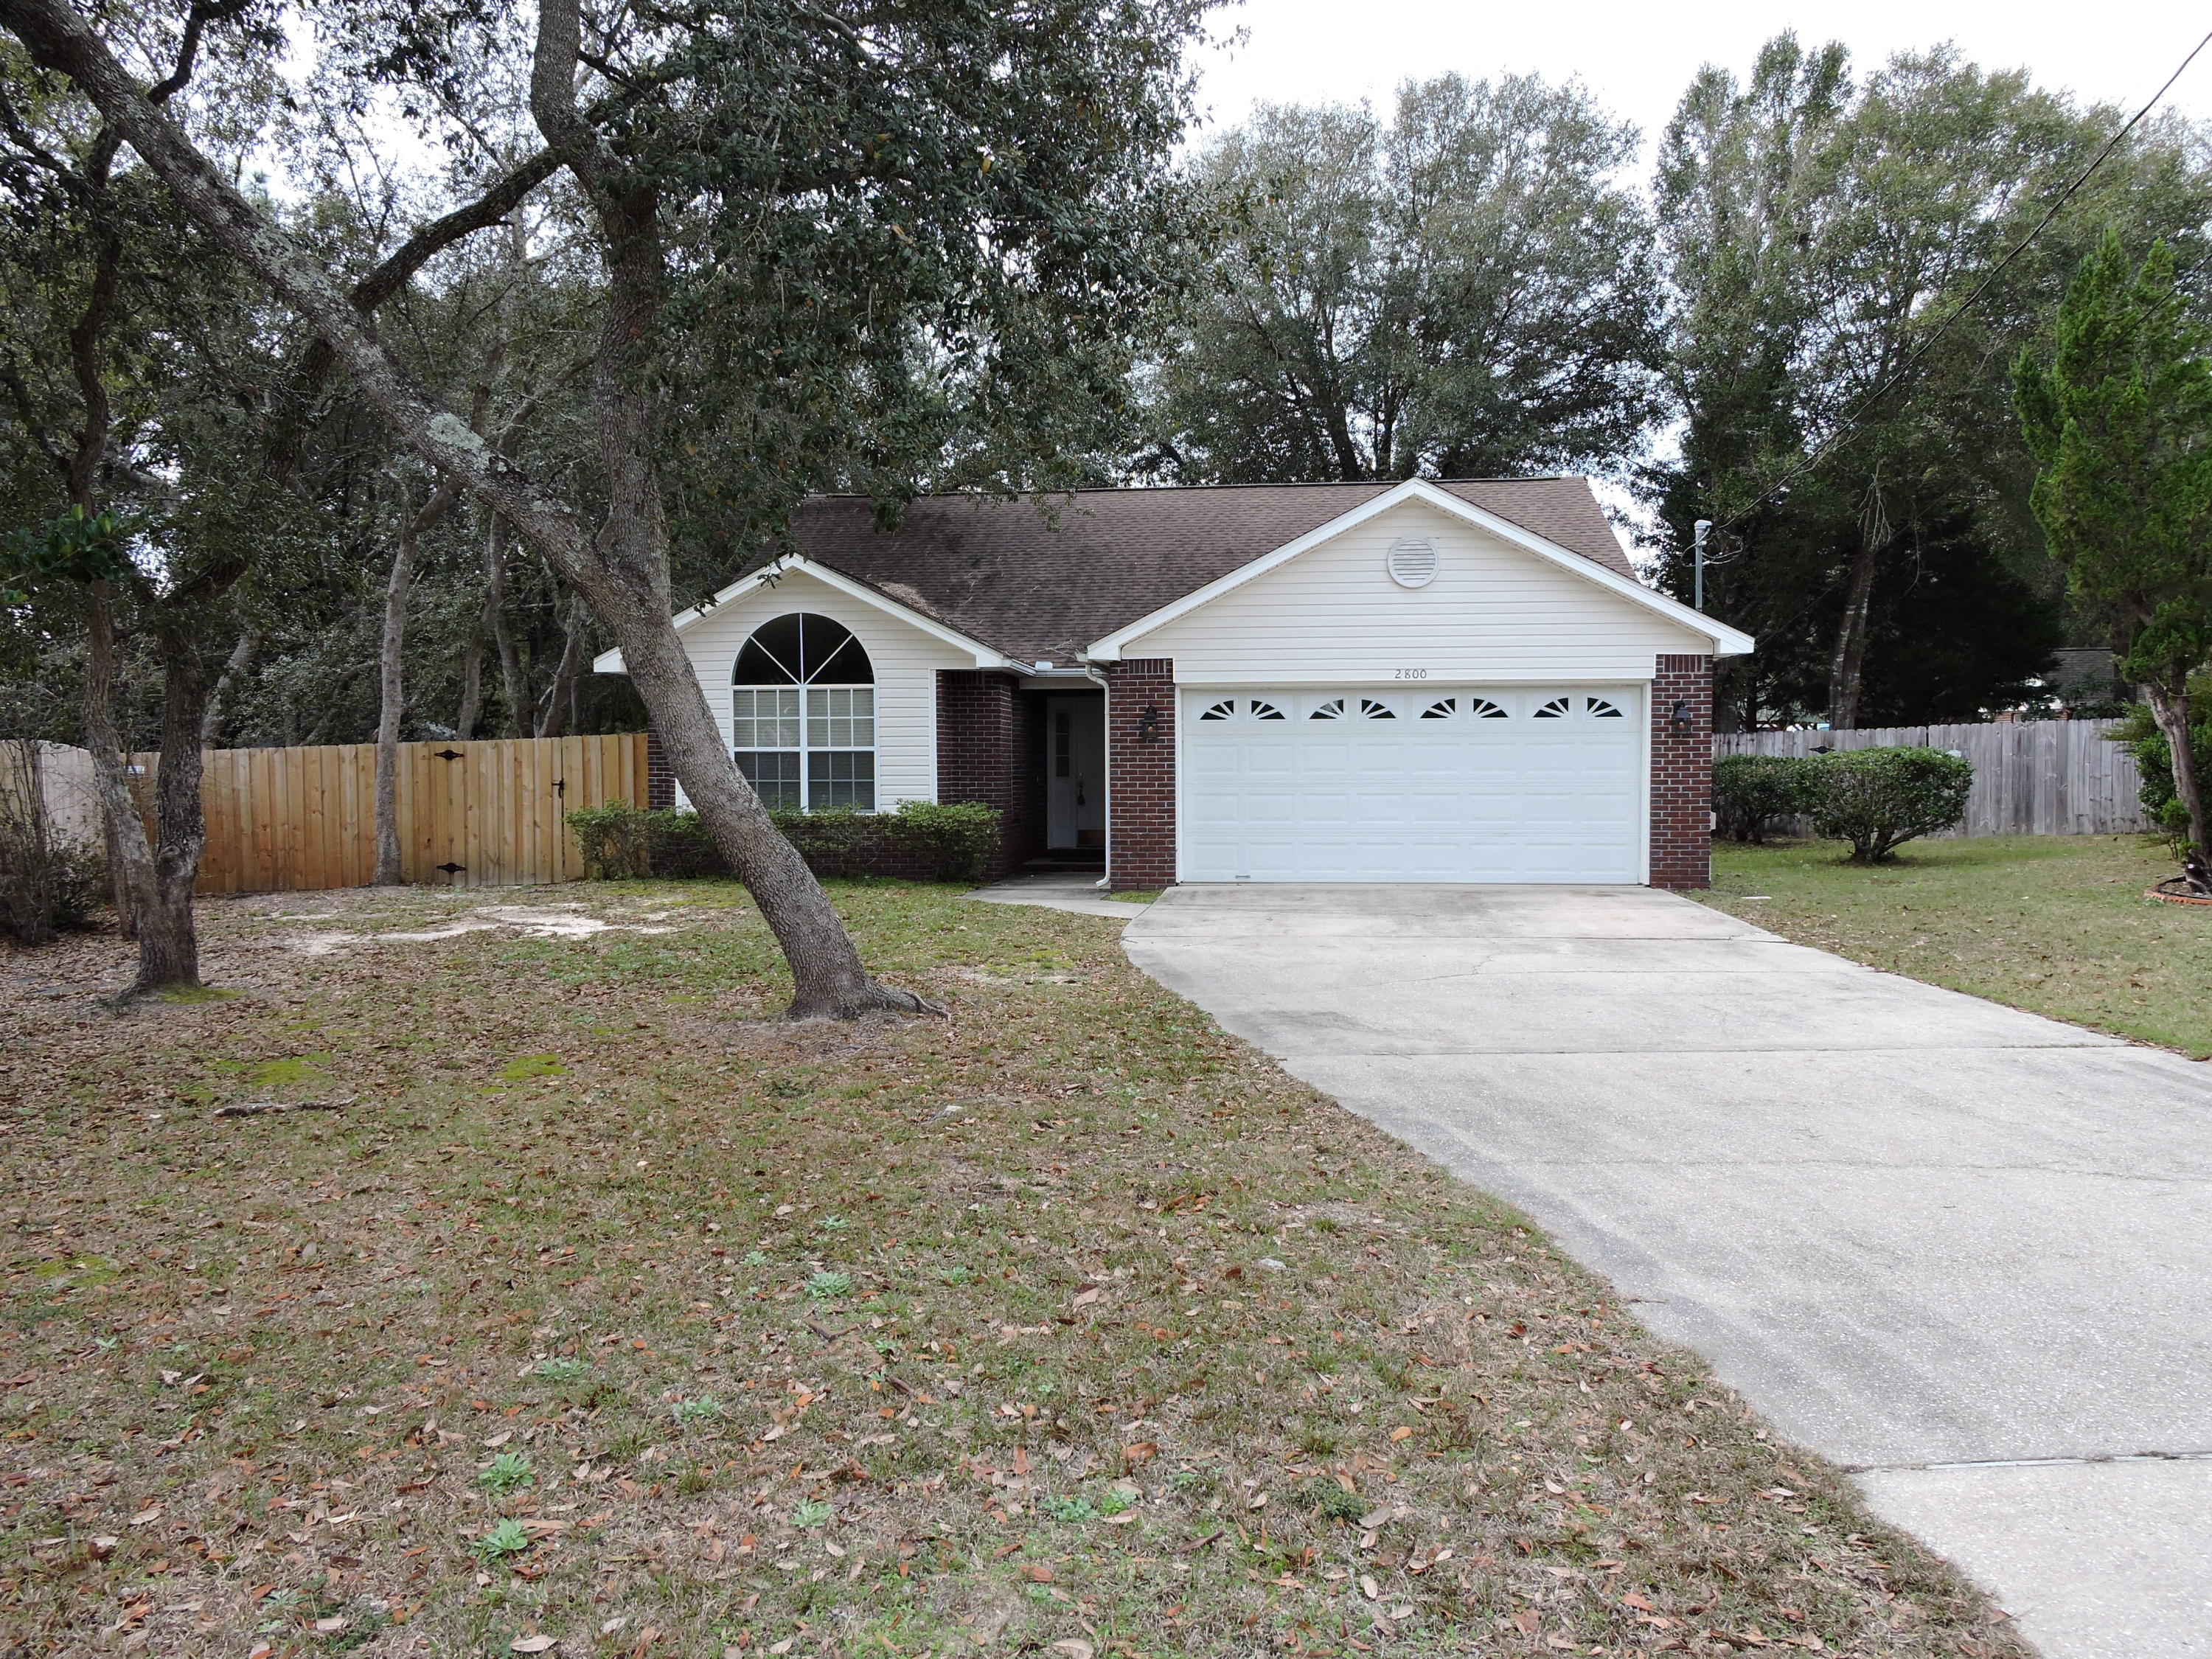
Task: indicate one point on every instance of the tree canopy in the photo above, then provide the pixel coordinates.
(1820, 234)
(1465, 291)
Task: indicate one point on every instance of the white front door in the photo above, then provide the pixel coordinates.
(1444, 783)
(1075, 770)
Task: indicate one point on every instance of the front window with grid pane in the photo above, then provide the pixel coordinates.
(803, 716)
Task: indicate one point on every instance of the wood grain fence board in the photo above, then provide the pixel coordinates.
(479, 784)
(2032, 777)
(290, 820)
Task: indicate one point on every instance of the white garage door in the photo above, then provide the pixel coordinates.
(1445, 783)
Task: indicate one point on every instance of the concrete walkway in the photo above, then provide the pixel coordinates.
(1059, 892)
(1960, 1249)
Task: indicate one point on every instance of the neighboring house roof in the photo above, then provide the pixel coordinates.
(1042, 578)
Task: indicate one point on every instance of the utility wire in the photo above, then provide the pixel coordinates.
(1853, 418)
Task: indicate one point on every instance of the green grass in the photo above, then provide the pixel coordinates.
(2055, 924)
(696, 1321)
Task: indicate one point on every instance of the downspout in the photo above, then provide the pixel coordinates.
(1106, 730)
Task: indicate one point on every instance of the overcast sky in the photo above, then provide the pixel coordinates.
(1638, 57)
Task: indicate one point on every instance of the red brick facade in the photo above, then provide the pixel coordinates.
(1682, 772)
(990, 748)
(659, 775)
(1140, 750)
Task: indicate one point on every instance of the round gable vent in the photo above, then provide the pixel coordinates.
(1412, 563)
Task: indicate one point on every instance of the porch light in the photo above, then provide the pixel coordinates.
(1680, 720)
(1148, 723)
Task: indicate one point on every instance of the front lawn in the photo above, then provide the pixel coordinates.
(601, 1313)
(2055, 924)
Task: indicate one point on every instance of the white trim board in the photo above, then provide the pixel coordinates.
(1727, 641)
(610, 662)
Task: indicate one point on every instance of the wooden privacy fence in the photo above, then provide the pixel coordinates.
(471, 814)
(2030, 777)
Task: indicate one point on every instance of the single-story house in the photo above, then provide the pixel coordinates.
(1458, 681)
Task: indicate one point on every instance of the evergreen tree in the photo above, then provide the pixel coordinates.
(2120, 422)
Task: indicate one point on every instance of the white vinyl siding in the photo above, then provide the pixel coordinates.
(1493, 612)
(906, 662)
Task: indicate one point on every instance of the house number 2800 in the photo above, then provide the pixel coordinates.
(1411, 674)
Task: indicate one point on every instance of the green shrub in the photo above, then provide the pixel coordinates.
(954, 841)
(615, 840)
(1879, 799)
(1750, 789)
(2155, 757)
(679, 844)
(834, 841)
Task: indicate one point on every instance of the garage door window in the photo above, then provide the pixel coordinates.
(803, 716)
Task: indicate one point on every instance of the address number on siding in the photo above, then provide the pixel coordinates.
(1410, 674)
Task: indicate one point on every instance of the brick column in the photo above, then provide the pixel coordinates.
(979, 737)
(660, 776)
(1141, 747)
(1682, 774)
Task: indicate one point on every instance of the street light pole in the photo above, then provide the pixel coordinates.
(1704, 528)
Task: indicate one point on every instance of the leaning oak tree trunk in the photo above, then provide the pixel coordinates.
(168, 944)
(2169, 708)
(624, 577)
(1847, 673)
(392, 691)
(234, 668)
(560, 696)
(391, 700)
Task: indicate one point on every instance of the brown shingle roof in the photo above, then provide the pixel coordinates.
(1044, 580)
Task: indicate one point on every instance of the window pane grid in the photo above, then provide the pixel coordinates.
(764, 719)
(840, 717)
(841, 778)
(774, 774)
(805, 746)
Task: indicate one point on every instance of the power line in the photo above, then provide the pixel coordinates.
(1866, 402)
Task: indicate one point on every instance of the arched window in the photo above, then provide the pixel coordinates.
(802, 715)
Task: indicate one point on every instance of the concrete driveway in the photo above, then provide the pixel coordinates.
(1962, 1249)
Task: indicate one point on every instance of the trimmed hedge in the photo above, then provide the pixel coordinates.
(923, 840)
(1750, 789)
(957, 840)
(1879, 799)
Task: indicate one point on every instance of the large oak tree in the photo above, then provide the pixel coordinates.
(1465, 290)
(851, 242)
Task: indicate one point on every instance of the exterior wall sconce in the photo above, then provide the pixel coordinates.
(1680, 720)
(1148, 723)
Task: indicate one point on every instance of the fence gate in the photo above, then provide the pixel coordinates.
(471, 814)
